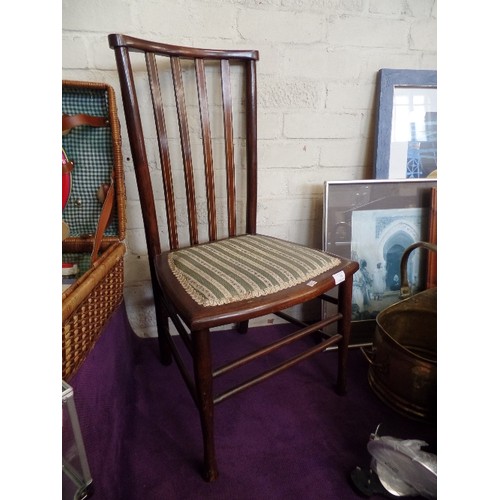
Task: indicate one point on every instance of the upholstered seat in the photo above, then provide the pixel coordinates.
(245, 267)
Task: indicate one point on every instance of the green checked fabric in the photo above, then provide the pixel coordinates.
(91, 150)
(245, 267)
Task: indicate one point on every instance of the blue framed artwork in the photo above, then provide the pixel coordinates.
(406, 124)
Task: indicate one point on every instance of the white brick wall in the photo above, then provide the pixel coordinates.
(316, 77)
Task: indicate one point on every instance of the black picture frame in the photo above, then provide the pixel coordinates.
(390, 81)
(375, 221)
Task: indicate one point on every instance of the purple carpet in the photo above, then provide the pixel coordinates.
(290, 437)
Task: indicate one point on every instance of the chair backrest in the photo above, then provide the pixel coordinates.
(203, 145)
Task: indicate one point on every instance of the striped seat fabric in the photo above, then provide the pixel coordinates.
(245, 267)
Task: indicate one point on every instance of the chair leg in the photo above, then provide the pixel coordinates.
(163, 335)
(162, 327)
(242, 327)
(202, 359)
(345, 307)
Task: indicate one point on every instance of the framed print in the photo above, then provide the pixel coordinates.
(406, 124)
(373, 222)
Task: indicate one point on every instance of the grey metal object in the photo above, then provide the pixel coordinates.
(402, 467)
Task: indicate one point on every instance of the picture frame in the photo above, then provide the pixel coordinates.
(406, 124)
(374, 221)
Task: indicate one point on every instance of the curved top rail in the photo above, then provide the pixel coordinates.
(137, 44)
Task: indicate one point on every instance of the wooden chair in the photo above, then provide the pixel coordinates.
(216, 270)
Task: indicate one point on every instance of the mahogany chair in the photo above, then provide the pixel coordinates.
(215, 268)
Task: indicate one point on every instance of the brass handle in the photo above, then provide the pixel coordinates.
(368, 357)
(405, 287)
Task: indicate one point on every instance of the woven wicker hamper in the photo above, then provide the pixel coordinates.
(97, 157)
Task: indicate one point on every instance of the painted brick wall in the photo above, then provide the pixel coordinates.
(316, 75)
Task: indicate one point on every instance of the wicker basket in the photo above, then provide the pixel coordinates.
(99, 99)
(89, 302)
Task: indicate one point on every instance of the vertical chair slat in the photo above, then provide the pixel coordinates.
(207, 148)
(228, 136)
(251, 146)
(186, 148)
(161, 128)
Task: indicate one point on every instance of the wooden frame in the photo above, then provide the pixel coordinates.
(375, 221)
(406, 124)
